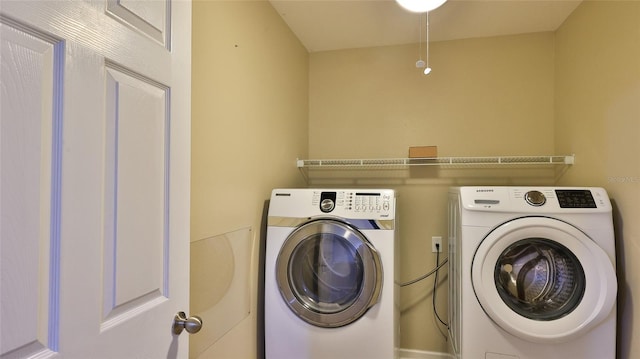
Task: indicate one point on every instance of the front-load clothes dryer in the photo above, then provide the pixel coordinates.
(330, 268)
(532, 273)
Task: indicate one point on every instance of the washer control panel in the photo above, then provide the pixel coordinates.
(536, 199)
(563, 197)
(354, 201)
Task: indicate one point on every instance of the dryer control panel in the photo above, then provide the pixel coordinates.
(362, 204)
(356, 201)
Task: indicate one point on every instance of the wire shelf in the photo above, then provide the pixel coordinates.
(395, 163)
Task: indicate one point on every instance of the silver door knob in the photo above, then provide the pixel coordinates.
(192, 324)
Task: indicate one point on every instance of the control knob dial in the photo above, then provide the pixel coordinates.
(535, 198)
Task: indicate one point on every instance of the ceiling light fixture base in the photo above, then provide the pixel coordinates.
(420, 6)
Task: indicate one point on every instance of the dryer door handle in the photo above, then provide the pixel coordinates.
(379, 282)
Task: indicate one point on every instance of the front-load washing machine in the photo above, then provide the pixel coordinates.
(330, 268)
(532, 273)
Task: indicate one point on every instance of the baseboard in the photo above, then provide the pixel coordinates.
(421, 354)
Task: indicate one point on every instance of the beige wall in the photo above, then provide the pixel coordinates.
(249, 124)
(490, 96)
(574, 91)
(598, 119)
(484, 97)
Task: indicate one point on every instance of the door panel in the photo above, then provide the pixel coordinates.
(136, 214)
(28, 188)
(148, 17)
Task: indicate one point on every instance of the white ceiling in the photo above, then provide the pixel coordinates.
(323, 25)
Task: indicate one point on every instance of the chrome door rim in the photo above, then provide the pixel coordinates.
(369, 293)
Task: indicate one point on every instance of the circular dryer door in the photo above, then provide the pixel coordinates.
(328, 273)
(543, 280)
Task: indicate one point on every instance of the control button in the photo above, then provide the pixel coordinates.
(535, 198)
(327, 205)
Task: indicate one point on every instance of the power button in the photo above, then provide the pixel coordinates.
(535, 198)
(327, 201)
(327, 205)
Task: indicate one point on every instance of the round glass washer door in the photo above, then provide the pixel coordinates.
(328, 273)
(543, 280)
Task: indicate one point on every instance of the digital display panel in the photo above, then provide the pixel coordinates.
(575, 198)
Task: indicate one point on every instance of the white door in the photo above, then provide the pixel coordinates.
(543, 280)
(94, 177)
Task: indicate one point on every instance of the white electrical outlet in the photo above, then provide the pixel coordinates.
(436, 241)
